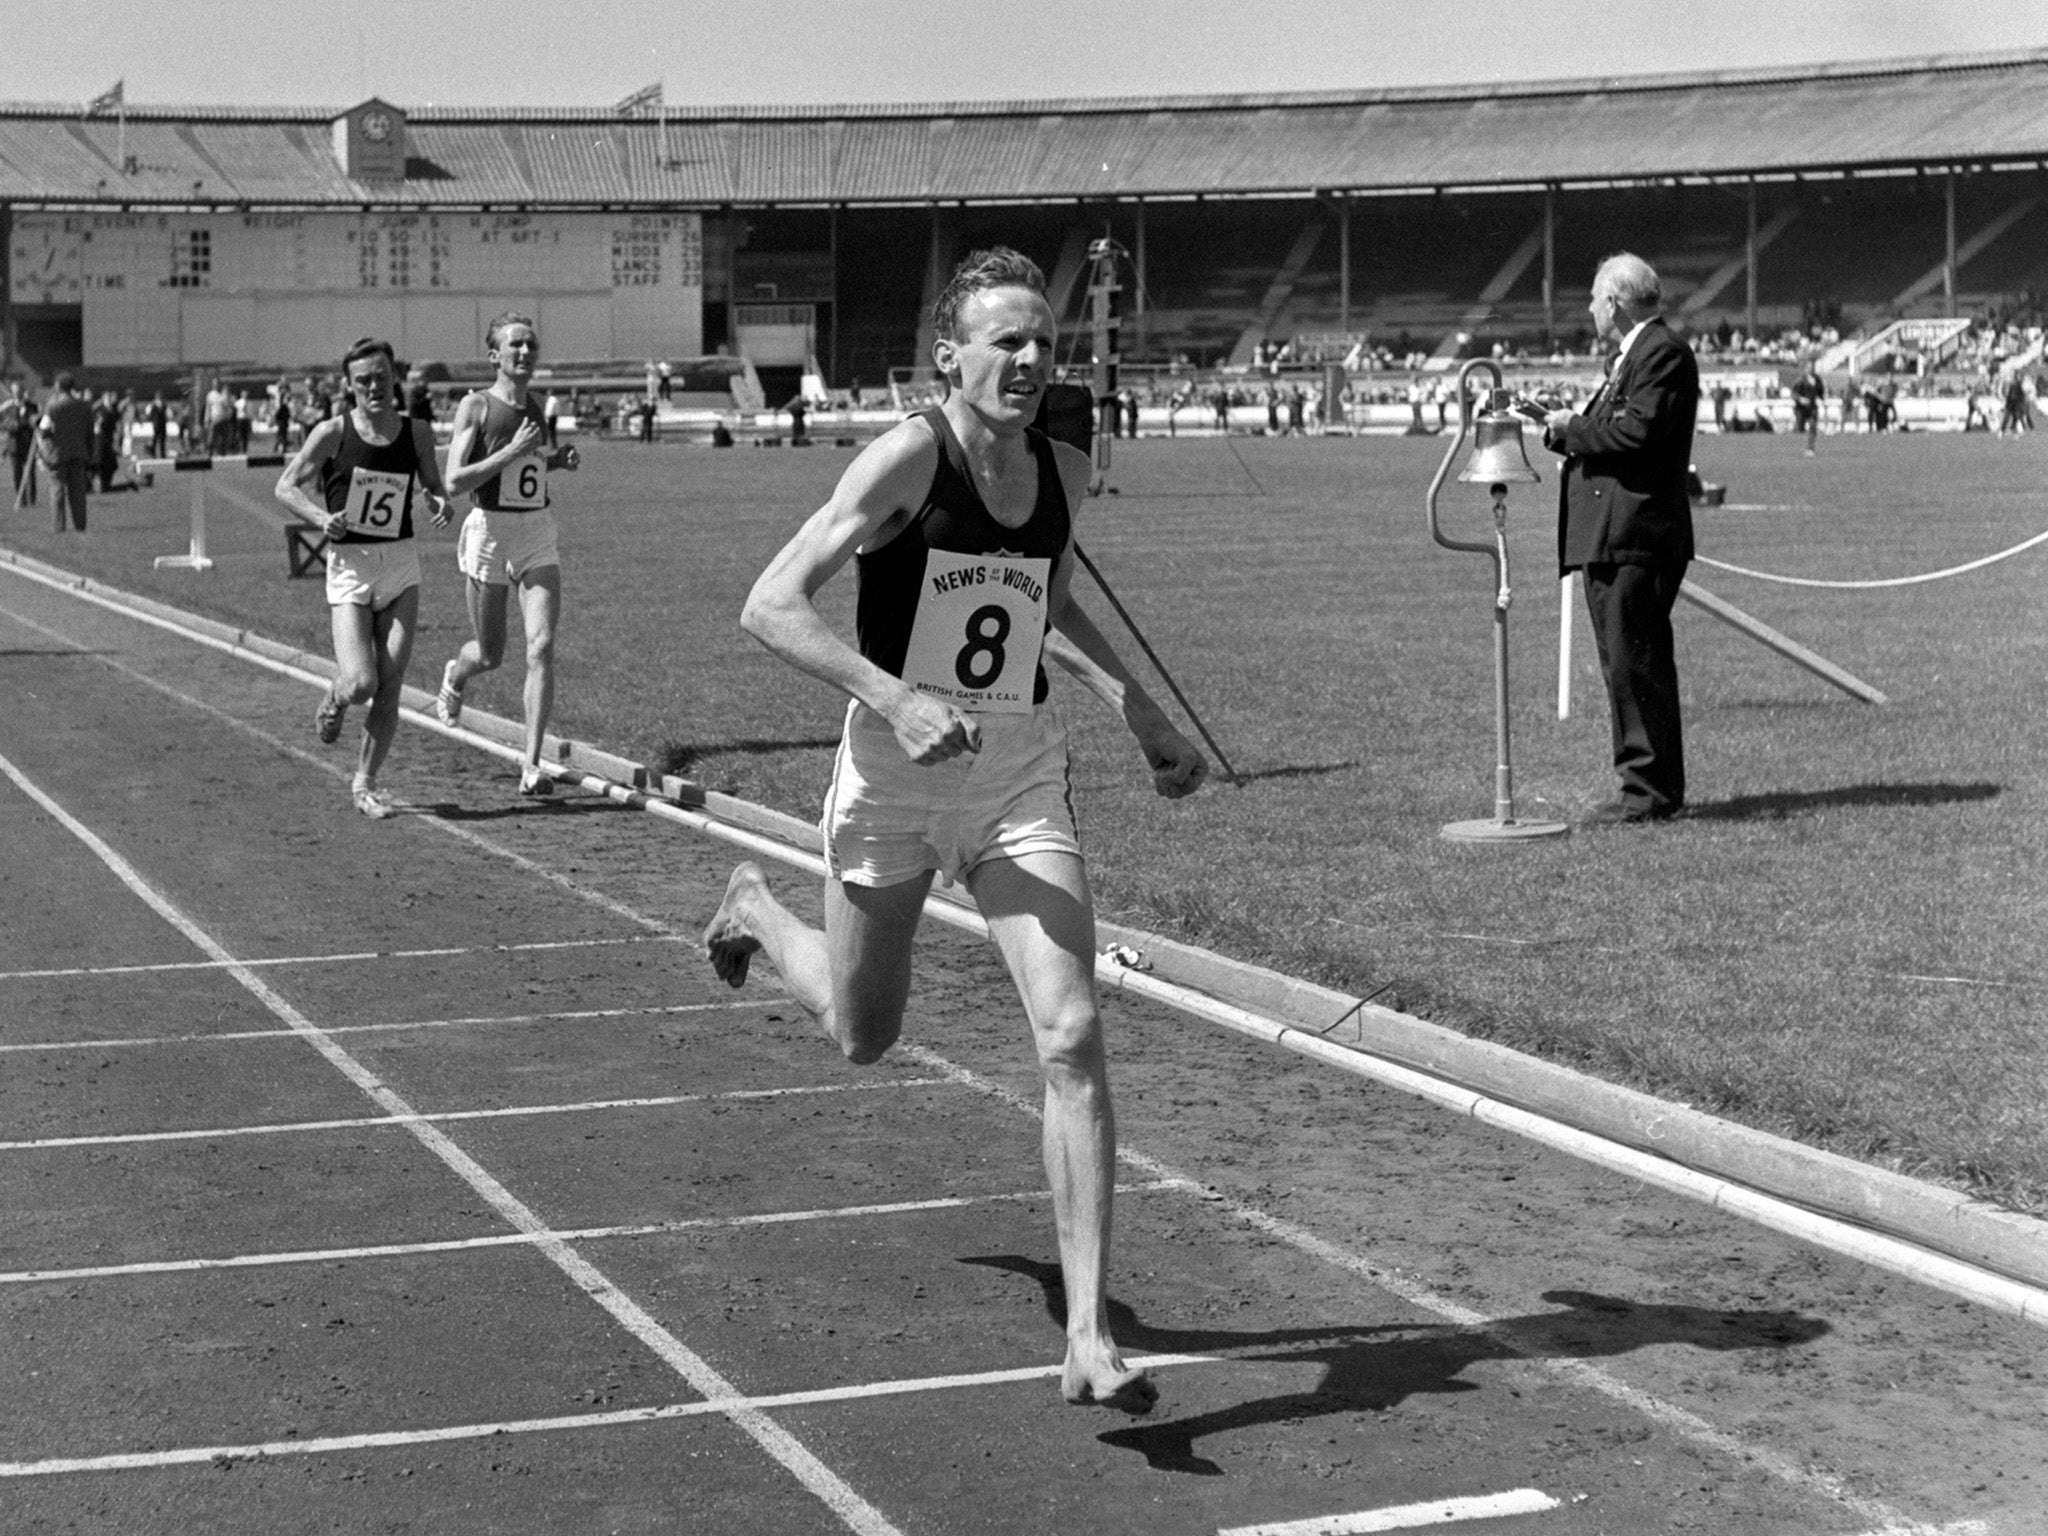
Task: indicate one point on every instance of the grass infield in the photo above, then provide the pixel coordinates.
(1845, 940)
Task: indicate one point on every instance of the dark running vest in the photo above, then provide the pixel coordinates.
(522, 485)
(956, 603)
(372, 484)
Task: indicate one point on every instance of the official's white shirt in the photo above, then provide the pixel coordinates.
(1626, 342)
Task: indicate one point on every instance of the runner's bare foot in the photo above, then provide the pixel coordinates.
(1093, 1376)
(727, 943)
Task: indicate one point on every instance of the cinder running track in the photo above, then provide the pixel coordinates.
(417, 1176)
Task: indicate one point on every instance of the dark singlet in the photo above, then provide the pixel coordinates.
(372, 484)
(522, 485)
(953, 521)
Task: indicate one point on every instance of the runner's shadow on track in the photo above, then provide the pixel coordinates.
(1374, 1368)
(1297, 771)
(1786, 803)
(559, 805)
(34, 650)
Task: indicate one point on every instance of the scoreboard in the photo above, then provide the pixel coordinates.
(293, 290)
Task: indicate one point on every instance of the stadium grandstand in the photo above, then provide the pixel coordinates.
(1399, 226)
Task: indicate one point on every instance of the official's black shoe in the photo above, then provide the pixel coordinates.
(1627, 813)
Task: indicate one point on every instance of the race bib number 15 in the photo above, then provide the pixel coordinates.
(523, 484)
(979, 626)
(376, 502)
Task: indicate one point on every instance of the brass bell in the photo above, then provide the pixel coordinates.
(1498, 457)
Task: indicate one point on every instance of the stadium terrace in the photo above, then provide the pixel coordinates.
(181, 236)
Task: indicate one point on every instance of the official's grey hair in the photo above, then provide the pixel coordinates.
(1632, 280)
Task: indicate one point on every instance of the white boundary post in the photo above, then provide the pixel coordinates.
(195, 557)
(1565, 590)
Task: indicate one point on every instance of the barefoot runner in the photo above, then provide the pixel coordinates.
(961, 520)
(365, 463)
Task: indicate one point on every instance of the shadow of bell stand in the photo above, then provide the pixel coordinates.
(1498, 461)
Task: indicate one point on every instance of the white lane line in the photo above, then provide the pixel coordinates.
(1680, 1422)
(190, 1455)
(511, 1239)
(739, 1004)
(825, 1484)
(1407, 1517)
(413, 1118)
(340, 774)
(357, 958)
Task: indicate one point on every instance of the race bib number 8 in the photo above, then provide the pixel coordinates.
(979, 627)
(376, 502)
(523, 484)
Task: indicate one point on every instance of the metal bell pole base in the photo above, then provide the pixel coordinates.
(1494, 463)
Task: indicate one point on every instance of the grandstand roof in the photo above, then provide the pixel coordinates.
(1973, 110)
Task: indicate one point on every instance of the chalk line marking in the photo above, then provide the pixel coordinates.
(513, 1239)
(570, 1016)
(723, 1397)
(732, 1406)
(1670, 1416)
(417, 1117)
(350, 959)
(519, 861)
(1407, 1517)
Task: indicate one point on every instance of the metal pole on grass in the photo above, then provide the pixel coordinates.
(1151, 655)
(1790, 649)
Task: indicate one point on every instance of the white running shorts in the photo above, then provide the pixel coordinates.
(888, 819)
(499, 548)
(371, 575)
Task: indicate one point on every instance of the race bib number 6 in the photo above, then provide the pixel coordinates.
(979, 627)
(376, 502)
(523, 484)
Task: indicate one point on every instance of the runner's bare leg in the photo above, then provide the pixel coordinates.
(853, 978)
(1042, 917)
(394, 627)
(540, 605)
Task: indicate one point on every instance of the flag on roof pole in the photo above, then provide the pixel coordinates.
(112, 98)
(633, 105)
(637, 103)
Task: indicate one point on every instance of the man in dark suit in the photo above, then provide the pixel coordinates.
(1625, 520)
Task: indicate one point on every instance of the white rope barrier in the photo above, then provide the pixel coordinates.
(1890, 581)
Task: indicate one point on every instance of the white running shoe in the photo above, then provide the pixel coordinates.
(372, 802)
(448, 702)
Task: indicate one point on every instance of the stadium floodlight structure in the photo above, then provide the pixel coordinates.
(1498, 461)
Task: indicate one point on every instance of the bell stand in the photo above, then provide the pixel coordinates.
(1489, 469)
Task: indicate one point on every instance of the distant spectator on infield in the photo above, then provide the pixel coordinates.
(499, 455)
(65, 445)
(17, 432)
(220, 418)
(1809, 394)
